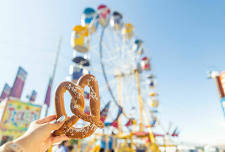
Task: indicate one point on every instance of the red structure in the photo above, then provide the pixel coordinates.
(18, 85)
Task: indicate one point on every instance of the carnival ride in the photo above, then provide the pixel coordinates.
(106, 46)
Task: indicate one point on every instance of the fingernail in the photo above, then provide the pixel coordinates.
(52, 122)
(61, 119)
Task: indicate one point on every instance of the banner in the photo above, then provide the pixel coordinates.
(48, 93)
(175, 133)
(5, 92)
(130, 122)
(115, 122)
(17, 116)
(86, 95)
(33, 96)
(104, 112)
(18, 84)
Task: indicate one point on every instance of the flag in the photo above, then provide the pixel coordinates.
(130, 122)
(18, 84)
(48, 93)
(104, 112)
(5, 92)
(33, 96)
(175, 132)
(115, 122)
(86, 95)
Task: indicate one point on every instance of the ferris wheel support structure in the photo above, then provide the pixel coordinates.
(120, 101)
(141, 125)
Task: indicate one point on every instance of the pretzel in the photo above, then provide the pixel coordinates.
(77, 107)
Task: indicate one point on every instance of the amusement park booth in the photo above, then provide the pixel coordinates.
(15, 117)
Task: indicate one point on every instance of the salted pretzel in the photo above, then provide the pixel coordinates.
(77, 107)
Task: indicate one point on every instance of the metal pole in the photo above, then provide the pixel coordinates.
(141, 125)
(56, 58)
(154, 147)
(78, 145)
(54, 67)
(151, 135)
(120, 101)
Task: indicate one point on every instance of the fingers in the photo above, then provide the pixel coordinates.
(46, 119)
(59, 139)
(58, 123)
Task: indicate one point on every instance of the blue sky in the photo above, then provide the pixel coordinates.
(185, 39)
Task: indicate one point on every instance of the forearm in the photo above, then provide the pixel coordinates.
(21, 144)
(11, 147)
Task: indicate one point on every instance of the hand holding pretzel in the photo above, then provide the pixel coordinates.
(77, 107)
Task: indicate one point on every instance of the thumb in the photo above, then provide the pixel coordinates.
(58, 123)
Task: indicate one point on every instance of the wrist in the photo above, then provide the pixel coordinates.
(24, 143)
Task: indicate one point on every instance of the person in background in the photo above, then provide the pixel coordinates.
(38, 137)
(110, 144)
(62, 147)
(70, 148)
(103, 144)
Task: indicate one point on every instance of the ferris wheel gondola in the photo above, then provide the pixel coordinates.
(80, 39)
(116, 21)
(87, 18)
(104, 15)
(138, 46)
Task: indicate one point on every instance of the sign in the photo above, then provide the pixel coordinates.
(222, 82)
(222, 101)
(17, 116)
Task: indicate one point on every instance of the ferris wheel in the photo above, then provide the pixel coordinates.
(106, 46)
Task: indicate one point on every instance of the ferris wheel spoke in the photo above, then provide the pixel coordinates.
(112, 82)
(113, 45)
(108, 50)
